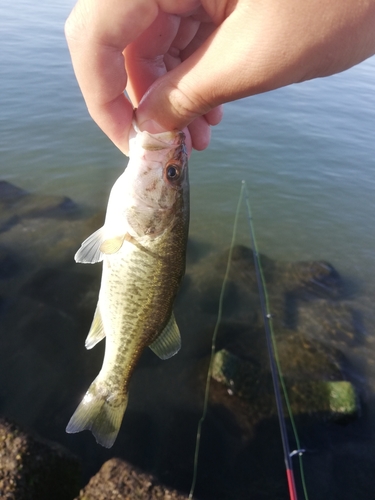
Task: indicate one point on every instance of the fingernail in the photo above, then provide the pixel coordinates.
(151, 126)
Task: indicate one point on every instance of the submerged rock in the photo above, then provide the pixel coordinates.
(40, 229)
(53, 287)
(46, 307)
(9, 193)
(329, 321)
(16, 204)
(119, 480)
(303, 296)
(34, 469)
(310, 277)
(241, 300)
(316, 277)
(330, 399)
(313, 329)
(238, 375)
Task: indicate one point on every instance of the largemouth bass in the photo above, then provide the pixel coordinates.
(142, 245)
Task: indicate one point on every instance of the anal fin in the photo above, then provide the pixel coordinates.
(169, 341)
(96, 333)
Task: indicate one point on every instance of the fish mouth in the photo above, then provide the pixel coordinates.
(163, 140)
(156, 142)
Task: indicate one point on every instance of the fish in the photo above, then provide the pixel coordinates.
(142, 245)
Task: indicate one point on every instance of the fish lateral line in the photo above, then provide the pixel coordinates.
(141, 247)
(130, 239)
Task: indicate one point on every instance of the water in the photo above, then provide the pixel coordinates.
(307, 153)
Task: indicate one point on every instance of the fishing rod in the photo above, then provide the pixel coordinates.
(275, 369)
(267, 318)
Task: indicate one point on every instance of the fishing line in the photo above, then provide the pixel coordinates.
(213, 347)
(276, 372)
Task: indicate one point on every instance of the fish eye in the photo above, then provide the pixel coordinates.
(173, 172)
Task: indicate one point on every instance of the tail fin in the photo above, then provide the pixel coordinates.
(101, 413)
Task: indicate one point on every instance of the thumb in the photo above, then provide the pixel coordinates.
(180, 96)
(217, 72)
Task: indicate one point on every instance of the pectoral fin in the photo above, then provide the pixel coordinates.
(90, 252)
(96, 245)
(169, 341)
(96, 333)
(112, 245)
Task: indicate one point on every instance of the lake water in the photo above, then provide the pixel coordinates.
(307, 153)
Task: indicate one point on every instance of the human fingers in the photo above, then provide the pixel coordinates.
(97, 33)
(200, 128)
(203, 79)
(145, 57)
(257, 47)
(147, 61)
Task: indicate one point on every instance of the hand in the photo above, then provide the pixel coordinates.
(179, 61)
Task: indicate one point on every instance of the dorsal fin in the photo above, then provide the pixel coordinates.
(169, 341)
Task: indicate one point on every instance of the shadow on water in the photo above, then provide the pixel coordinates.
(46, 307)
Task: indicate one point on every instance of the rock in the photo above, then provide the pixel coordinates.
(334, 400)
(312, 328)
(241, 294)
(55, 288)
(302, 358)
(239, 375)
(316, 277)
(336, 321)
(290, 285)
(35, 469)
(43, 230)
(118, 480)
(16, 204)
(46, 206)
(303, 296)
(9, 193)
(46, 308)
(319, 278)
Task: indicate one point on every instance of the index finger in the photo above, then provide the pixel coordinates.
(97, 33)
